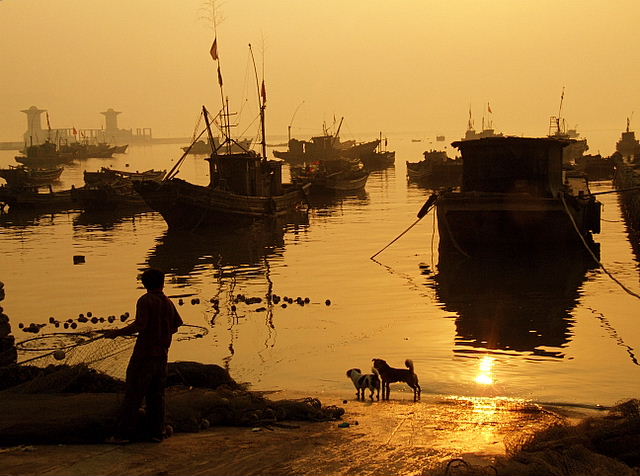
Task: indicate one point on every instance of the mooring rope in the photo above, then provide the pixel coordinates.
(588, 248)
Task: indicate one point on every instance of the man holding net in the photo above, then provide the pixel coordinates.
(156, 321)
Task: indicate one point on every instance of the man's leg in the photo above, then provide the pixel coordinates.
(138, 379)
(155, 398)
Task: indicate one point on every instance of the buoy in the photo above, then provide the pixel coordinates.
(59, 355)
(328, 302)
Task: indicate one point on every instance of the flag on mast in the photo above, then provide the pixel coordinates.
(263, 92)
(214, 49)
(75, 132)
(489, 109)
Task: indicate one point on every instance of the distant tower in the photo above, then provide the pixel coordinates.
(35, 134)
(111, 120)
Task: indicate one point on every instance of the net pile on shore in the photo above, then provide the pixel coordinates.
(598, 446)
(52, 404)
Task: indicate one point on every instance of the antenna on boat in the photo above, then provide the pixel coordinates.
(335, 137)
(560, 111)
(262, 100)
(291, 122)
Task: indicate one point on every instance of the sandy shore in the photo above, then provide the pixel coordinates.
(394, 437)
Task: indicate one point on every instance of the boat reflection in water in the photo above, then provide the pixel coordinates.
(229, 250)
(109, 219)
(227, 266)
(512, 302)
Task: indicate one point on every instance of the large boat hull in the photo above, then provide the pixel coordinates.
(470, 222)
(187, 206)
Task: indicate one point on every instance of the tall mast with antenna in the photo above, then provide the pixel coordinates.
(262, 101)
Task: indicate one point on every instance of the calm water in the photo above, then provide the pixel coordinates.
(548, 330)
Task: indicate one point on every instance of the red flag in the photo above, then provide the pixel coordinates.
(75, 133)
(263, 91)
(214, 49)
(489, 109)
(219, 76)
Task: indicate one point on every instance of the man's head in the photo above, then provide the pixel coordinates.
(152, 279)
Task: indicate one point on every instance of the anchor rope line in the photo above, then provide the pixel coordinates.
(595, 258)
(426, 208)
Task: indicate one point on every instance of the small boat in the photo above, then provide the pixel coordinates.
(379, 158)
(120, 149)
(628, 147)
(515, 193)
(596, 167)
(45, 155)
(85, 150)
(325, 147)
(108, 189)
(201, 147)
(437, 169)
(108, 175)
(342, 175)
(36, 198)
(23, 175)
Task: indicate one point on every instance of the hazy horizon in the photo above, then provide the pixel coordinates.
(410, 66)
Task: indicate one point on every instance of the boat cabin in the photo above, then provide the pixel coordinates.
(245, 173)
(512, 165)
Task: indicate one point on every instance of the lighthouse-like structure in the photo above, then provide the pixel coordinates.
(34, 134)
(111, 121)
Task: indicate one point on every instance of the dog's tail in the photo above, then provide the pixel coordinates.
(409, 364)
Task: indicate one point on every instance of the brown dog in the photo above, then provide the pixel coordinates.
(389, 375)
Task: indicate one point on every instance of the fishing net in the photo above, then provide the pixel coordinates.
(598, 446)
(90, 349)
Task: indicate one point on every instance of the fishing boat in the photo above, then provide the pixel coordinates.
(36, 198)
(108, 189)
(23, 175)
(379, 158)
(325, 147)
(120, 149)
(628, 147)
(85, 150)
(340, 175)
(46, 155)
(201, 147)
(514, 193)
(436, 169)
(596, 167)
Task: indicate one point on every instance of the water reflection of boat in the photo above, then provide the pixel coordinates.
(182, 252)
(109, 219)
(512, 303)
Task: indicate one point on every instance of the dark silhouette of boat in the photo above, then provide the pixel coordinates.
(201, 147)
(437, 169)
(380, 158)
(244, 186)
(325, 147)
(628, 147)
(23, 175)
(513, 194)
(108, 189)
(36, 198)
(596, 167)
(46, 155)
(339, 175)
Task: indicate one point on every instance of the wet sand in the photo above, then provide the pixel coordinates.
(394, 437)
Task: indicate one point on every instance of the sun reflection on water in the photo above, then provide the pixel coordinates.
(485, 371)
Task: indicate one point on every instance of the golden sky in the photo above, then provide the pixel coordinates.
(396, 65)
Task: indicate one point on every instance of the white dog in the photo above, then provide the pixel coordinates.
(364, 381)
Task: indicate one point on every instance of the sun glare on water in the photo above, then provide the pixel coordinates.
(485, 371)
